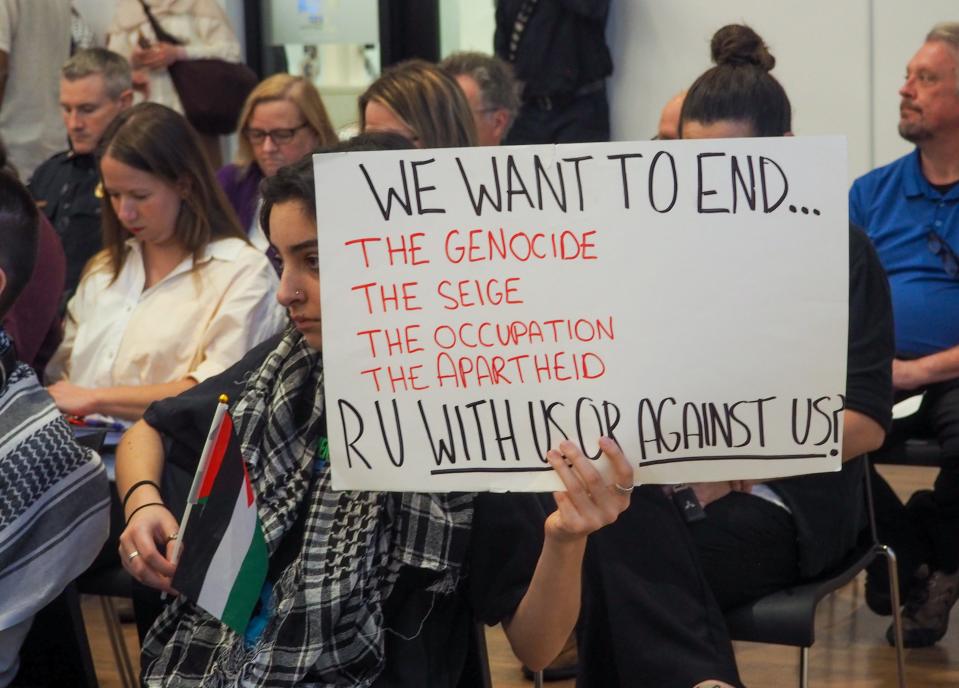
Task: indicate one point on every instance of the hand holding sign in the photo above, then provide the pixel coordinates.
(482, 305)
(589, 502)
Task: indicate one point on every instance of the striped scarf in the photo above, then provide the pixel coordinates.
(327, 625)
(54, 503)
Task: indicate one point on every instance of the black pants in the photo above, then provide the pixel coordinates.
(583, 119)
(649, 617)
(748, 548)
(926, 530)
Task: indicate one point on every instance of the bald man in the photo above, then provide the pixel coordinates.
(669, 118)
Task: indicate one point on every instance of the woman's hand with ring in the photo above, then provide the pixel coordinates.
(588, 503)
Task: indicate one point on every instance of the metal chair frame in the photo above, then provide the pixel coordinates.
(761, 620)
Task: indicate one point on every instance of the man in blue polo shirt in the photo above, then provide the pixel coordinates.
(910, 209)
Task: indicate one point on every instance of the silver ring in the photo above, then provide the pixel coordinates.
(624, 490)
(132, 554)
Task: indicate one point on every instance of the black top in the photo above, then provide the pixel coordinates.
(63, 187)
(822, 503)
(431, 640)
(562, 48)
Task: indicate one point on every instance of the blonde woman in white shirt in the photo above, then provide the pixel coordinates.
(177, 294)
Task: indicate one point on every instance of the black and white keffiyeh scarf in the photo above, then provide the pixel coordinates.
(327, 626)
(54, 499)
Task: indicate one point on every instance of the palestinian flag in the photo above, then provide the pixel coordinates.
(223, 561)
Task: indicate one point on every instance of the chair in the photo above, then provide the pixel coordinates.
(788, 617)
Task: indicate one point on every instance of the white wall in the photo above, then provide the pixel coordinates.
(466, 25)
(840, 61)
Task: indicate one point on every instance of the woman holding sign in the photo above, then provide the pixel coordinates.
(374, 589)
(747, 539)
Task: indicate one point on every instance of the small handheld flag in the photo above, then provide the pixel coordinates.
(223, 561)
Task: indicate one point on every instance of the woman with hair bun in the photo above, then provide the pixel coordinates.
(656, 617)
(739, 90)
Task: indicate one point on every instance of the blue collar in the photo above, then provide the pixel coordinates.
(915, 184)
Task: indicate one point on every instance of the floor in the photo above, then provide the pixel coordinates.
(850, 649)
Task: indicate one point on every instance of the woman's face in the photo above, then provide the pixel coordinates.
(720, 129)
(279, 135)
(146, 205)
(378, 117)
(293, 235)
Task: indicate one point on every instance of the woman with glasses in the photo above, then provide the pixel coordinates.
(282, 120)
(177, 294)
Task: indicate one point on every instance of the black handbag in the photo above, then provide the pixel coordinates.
(211, 90)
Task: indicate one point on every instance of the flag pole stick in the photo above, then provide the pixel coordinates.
(221, 410)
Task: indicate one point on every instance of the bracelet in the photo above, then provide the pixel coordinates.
(126, 497)
(142, 506)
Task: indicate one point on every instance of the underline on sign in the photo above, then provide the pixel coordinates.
(753, 457)
(520, 469)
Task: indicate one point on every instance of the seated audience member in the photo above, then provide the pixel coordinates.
(282, 120)
(910, 209)
(668, 128)
(491, 91)
(53, 493)
(33, 322)
(406, 621)
(177, 294)
(95, 87)
(420, 102)
(754, 539)
(803, 526)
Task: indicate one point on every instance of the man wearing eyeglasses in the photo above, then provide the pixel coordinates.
(910, 209)
(491, 90)
(95, 86)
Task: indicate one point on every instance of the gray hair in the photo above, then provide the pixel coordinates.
(947, 32)
(497, 85)
(113, 67)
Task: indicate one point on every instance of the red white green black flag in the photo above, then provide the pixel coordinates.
(223, 561)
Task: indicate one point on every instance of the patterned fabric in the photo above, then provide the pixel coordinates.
(519, 27)
(327, 626)
(53, 497)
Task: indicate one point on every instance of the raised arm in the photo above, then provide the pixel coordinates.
(548, 611)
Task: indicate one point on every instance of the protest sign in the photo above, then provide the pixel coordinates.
(687, 298)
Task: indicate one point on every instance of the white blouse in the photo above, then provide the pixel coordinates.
(195, 322)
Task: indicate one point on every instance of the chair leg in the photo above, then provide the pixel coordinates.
(887, 552)
(538, 679)
(804, 667)
(118, 644)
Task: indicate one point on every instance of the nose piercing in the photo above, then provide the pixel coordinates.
(298, 293)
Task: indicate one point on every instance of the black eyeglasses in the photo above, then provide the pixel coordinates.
(939, 247)
(279, 137)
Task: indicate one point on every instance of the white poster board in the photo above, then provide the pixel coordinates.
(688, 298)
